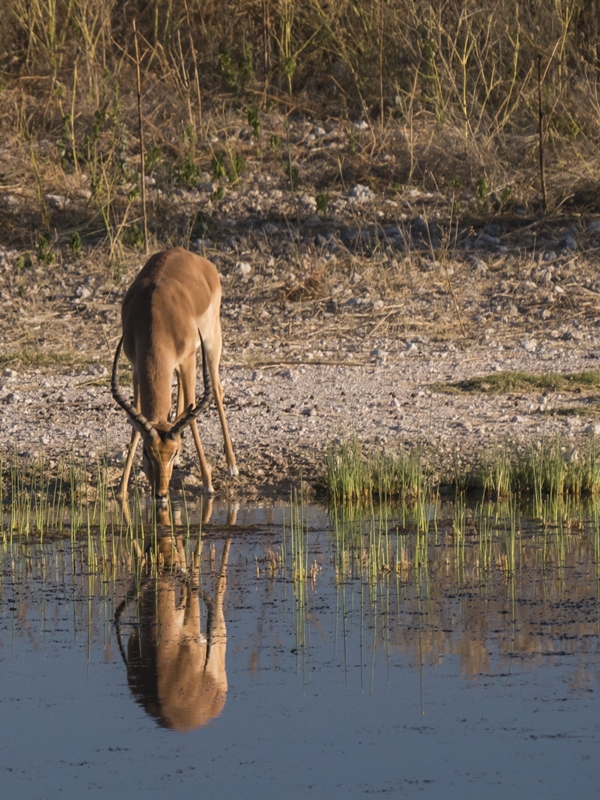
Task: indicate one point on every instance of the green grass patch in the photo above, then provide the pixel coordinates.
(550, 468)
(503, 382)
(587, 411)
(30, 357)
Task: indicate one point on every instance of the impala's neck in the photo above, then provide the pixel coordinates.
(155, 376)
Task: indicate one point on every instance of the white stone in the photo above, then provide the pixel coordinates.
(529, 345)
(57, 201)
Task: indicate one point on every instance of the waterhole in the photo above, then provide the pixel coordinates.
(297, 651)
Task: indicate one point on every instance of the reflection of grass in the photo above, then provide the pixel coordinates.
(500, 382)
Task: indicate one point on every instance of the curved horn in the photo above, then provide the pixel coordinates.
(207, 397)
(134, 415)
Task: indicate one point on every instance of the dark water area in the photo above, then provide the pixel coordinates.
(295, 655)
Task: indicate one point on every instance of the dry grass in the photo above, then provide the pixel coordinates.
(448, 93)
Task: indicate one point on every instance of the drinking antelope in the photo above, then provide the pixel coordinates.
(171, 309)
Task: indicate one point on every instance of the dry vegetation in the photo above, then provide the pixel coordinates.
(448, 92)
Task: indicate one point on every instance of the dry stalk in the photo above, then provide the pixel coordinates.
(195, 61)
(141, 135)
(541, 137)
(454, 300)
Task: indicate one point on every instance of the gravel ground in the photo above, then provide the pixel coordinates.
(282, 417)
(339, 323)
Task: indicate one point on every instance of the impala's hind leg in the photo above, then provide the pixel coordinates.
(212, 348)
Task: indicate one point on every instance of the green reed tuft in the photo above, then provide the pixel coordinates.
(550, 467)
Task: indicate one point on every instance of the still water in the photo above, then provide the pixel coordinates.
(295, 655)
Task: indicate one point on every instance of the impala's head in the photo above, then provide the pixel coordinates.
(162, 440)
(161, 448)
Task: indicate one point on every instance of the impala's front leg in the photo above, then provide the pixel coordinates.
(135, 438)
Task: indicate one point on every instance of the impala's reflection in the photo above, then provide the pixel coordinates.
(176, 672)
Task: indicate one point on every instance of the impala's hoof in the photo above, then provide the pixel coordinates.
(233, 471)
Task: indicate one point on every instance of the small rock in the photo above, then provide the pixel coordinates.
(289, 375)
(210, 187)
(312, 222)
(487, 239)
(270, 229)
(568, 241)
(361, 125)
(202, 244)
(13, 397)
(360, 193)
(257, 375)
(319, 131)
(97, 369)
(10, 373)
(529, 345)
(57, 201)
(379, 354)
(83, 292)
(419, 226)
(307, 200)
(594, 428)
(243, 268)
(516, 418)
(479, 266)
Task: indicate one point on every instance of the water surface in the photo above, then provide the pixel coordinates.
(321, 658)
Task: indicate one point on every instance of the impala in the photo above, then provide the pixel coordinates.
(170, 310)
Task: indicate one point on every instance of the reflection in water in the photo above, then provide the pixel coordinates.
(176, 672)
(486, 588)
